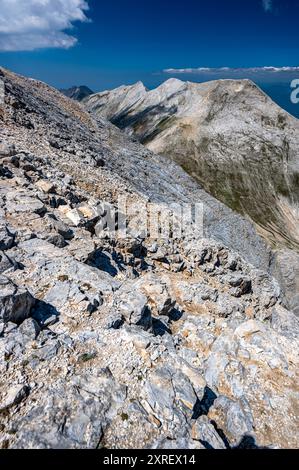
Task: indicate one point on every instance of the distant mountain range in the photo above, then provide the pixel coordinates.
(77, 93)
(280, 92)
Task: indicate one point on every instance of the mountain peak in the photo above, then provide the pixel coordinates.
(173, 81)
(77, 93)
(172, 85)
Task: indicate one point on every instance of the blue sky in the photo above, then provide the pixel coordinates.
(107, 43)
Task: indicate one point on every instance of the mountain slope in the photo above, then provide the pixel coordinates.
(137, 342)
(229, 135)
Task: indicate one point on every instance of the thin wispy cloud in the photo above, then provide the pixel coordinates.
(26, 25)
(221, 70)
(268, 5)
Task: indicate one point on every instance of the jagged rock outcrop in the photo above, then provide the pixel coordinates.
(136, 342)
(232, 138)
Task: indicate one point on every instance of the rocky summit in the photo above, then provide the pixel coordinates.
(138, 341)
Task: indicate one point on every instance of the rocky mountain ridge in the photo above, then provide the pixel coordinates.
(136, 342)
(230, 135)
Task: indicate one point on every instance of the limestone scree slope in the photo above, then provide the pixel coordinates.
(135, 342)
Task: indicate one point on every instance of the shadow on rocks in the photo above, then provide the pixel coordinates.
(160, 328)
(248, 442)
(102, 261)
(45, 314)
(203, 406)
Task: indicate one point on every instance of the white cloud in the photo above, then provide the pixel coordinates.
(26, 25)
(267, 5)
(210, 70)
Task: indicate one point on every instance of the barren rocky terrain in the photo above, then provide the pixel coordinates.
(134, 342)
(232, 138)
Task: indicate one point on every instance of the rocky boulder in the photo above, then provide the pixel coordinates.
(15, 302)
